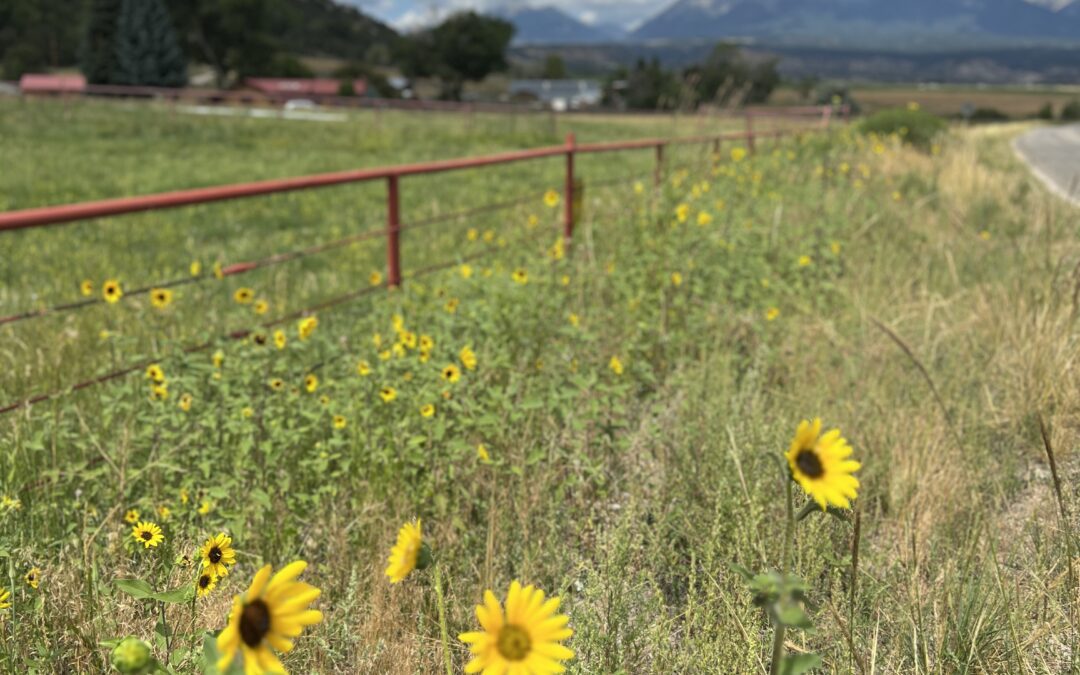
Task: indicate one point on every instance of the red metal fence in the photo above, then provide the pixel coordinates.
(57, 215)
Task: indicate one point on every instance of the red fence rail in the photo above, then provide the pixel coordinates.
(68, 213)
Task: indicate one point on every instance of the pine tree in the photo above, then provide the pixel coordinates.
(99, 42)
(147, 52)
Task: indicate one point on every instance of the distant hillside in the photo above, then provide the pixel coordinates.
(549, 25)
(326, 28)
(903, 23)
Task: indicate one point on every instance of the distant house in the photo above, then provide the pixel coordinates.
(52, 84)
(557, 94)
(278, 87)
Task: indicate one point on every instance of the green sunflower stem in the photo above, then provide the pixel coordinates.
(443, 633)
(789, 545)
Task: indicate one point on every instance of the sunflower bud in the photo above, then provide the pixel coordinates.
(132, 656)
(423, 558)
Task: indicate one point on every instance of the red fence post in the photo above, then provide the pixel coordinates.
(568, 191)
(658, 172)
(750, 131)
(393, 231)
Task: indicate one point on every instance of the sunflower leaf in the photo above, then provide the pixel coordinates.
(176, 595)
(211, 656)
(136, 588)
(797, 664)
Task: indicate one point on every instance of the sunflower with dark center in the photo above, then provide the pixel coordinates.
(205, 584)
(822, 465)
(277, 384)
(259, 339)
(387, 394)
(161, 298)
(265, 618)
(147, 533)
(451, 373)
(311, 383)
(86, 288)
(409, 553)
(244, 296)
(111, 291)
(33, 578)
(218, 555)
(525, 640)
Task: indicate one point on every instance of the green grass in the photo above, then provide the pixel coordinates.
(627, 495)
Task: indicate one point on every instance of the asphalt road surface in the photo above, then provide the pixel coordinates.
(1053, 153)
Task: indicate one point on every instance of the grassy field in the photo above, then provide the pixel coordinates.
(949, 100)
(633, 397)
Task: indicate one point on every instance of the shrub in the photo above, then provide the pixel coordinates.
(1046, 112)
(983, 115)
(1071, 111)
(916, 127)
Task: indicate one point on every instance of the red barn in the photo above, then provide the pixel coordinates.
(277, 87)
(52, 84)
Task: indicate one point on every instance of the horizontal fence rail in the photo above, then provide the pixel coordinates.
(67, 213)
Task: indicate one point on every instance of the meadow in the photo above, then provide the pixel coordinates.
(606, 421)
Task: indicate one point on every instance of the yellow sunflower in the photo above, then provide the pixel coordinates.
(408, 554)
(525, 640)
(195, 268)
(205, 584)
(306, 326)
(520, 276)
(363, 368)
(185, 402)
(5, 596)
(111, 291)
(375, 278)
(468, 358)
(218, 358)
(387, 394)
(261, 307)
(159, 392)
(244, 296)
(86, 288)
(277, 384)
(551, 198)
(340, 422)
(155, 373)
(218, 554)
(427, 410)
(33, 577)
(616, 365)
(451, 373)
(273, 610)
(132, 516)
(311, 383)
(466, 271)
(280, 339)
(451, 305)
(161, 298)
(822, 465)
(147, 533)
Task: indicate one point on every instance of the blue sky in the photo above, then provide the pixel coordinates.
(408, 14)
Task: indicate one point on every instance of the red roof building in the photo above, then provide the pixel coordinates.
(52, 84)
(301, 87)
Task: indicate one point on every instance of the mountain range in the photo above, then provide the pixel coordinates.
(876, 23)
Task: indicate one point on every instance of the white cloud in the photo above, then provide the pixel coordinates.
(413, 14)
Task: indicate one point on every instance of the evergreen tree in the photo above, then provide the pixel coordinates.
(147, 52)
(99, 41)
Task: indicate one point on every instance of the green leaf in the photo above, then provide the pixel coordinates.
(797, 664)
(741, 571)
(176, 596)
(136, 588)
(790, 614)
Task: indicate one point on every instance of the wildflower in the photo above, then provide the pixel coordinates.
(185, 402)
(195, 268)
(574, 319)
(387, 394)
(154, 373)
(822, 465)
(520, 276)
(772, 313)
(5, 596)
(244, 296)
(738, 154)
(375, 278)
(207, 506)
(340, 422)
(311, 383)
(271, 613)
(532, 221)
(676, 279)
(565, 280)
(205, 584)
(525, 640)
(10, 503)
(804, 261)
(324, 400)
(408, 554)
(551, 198)
(557, 250)
(408, 339)
(132, 516)
(482, 453)
(33, 577)
(835, 247)
(376, 339)
(465, 271)
(277, 384)
(161, 298)
(280, 339)
(86, 288)
(218, 555)
(985, 235)
(261, 307)
(682, 212)
(258, 339)
(218, 358)
(913, 106)
(616, 365)
(489, 236)
(468, 358)
(147, 533)
(452, 305)
(427, 410)
(306, 326)
(703, 218)
(639, 187)
(451, 373)
(111, 291)
(427, 343)
(219, 273)
(363, 368)
(472, 235)
(247, 412)
(385, 355)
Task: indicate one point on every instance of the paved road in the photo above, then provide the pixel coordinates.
(1053, 153)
